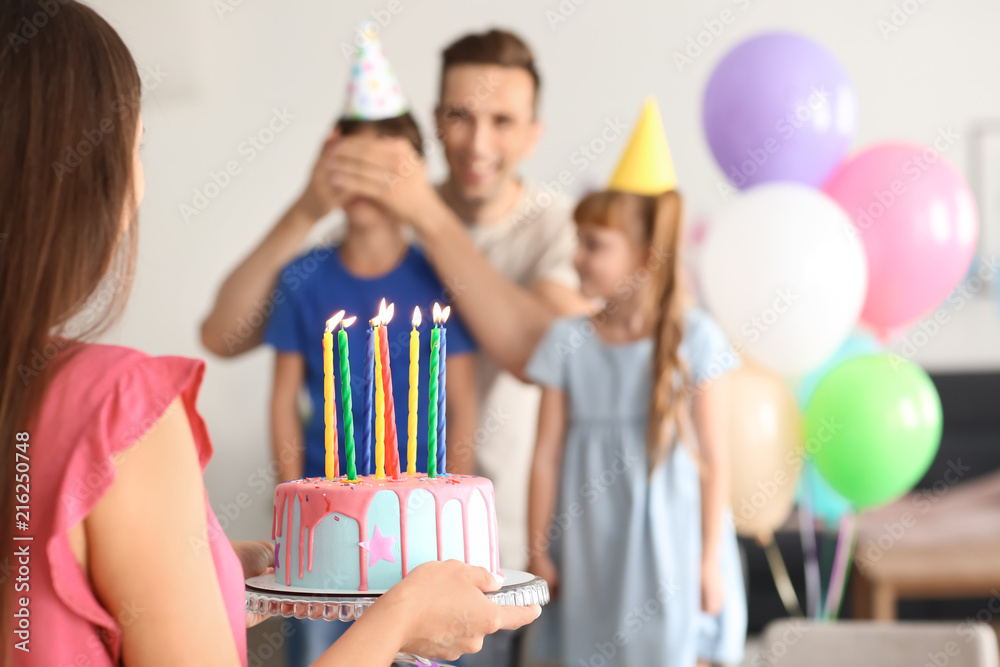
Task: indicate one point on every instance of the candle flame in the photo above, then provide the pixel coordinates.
(379, 319)
(436, 312)
(417, 318)
(348, 321)
(332, 323)
(388, 312)
(445, 313)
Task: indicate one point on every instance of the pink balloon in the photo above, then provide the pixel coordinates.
(916, 217)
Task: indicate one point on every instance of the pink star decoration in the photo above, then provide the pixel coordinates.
(379, 548)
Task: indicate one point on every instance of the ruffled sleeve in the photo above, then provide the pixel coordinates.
(98, 406)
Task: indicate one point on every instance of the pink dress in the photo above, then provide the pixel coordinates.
(97, 405)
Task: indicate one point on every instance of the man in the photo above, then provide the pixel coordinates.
(502, 247)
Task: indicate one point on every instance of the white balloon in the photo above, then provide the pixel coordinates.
(785, 275)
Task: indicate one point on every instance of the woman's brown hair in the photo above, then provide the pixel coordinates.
(660, 221)
(69, 115)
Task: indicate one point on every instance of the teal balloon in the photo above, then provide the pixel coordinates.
(857, 344)
(873, 428)
(823, 501)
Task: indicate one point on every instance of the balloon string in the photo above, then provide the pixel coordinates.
(807, 528)
(841, 564)
(781, 579)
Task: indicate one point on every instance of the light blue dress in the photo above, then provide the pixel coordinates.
(627, 545)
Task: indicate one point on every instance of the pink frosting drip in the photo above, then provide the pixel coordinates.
(353, 499)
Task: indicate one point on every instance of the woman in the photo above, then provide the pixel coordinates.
(126, 562)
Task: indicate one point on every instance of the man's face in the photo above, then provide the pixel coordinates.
(486, 121)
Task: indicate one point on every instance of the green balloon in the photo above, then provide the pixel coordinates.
(873, 427)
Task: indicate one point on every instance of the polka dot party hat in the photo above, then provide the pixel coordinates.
(373, 92)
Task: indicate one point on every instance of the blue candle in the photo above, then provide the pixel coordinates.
(365, 451)
(442, 452)
(442, 404)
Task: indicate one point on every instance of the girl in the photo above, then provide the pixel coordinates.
(628, 499)
(126, 563)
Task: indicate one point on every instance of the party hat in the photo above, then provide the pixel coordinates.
(373, 92)
(646, 167)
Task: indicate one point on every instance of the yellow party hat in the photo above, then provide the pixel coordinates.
(646, 167)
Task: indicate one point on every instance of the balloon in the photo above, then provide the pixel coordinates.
(783, 276)
(857, 343)
(873, 427)
(916, 218)
(779, 107)
(824, 502)
(765, 444)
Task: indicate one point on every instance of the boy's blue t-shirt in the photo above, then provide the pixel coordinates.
(314, 287)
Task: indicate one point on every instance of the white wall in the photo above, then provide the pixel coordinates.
(224, 74)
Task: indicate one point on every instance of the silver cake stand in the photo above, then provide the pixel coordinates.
(266, 596)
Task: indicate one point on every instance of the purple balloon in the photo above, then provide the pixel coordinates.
(779, 107)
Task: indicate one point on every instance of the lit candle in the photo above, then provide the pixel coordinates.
(345, 396)
(411, 442)
(330, 399)
(365, 455)
(379, 405)
(442, 454)
(391, 438)
(432, 403)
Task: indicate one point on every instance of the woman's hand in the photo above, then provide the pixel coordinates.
(445, 613)
(257, 558)
(712, 589)
(542, 566)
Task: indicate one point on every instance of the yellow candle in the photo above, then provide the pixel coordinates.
(330, 399)
(379, 408)
(411, 442)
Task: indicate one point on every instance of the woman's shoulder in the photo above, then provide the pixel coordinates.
(111, 394)
(87, 366)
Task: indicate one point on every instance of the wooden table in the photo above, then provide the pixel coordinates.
(942, 543)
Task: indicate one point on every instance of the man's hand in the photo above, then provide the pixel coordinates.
(386, 170)
(320, 196)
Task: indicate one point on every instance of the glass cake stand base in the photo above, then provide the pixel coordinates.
(264, 595)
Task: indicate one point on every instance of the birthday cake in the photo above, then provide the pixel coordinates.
(366, 535)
